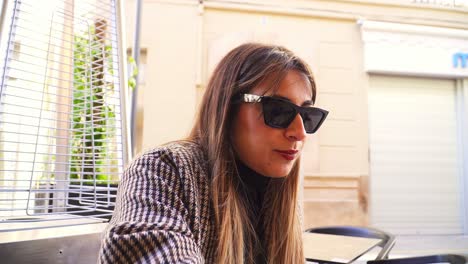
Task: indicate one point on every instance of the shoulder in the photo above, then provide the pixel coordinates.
(179, 153)
(170, 175)
(179, 157)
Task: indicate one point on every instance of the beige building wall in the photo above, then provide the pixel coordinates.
(168, 97)
(185, 39)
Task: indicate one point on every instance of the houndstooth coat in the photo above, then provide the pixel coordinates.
(163, 212)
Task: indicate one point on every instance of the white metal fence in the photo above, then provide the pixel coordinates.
(62, 111)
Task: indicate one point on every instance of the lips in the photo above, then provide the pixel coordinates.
(289, 154)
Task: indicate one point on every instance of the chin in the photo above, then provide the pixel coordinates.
(281, 173)
(278, 176)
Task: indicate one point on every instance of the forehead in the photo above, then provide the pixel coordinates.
(294, 86)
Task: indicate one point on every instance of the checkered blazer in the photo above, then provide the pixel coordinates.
(163, 212)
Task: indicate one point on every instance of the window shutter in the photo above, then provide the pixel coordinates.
(415, 164)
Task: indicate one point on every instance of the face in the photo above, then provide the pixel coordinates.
(272, 151)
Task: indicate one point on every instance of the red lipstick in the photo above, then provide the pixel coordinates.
(288, 154)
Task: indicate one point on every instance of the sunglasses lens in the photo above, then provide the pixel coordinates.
(312, 119)
(277, 113)
(280, 114)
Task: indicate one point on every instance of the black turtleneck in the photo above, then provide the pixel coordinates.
(253, 188)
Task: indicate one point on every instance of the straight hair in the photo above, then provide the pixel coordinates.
(242, 69)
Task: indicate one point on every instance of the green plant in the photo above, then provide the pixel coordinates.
(93, 118)
(132, 81)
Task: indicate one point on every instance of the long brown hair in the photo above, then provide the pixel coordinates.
(239, 71)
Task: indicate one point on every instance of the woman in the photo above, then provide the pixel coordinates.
(228, 193)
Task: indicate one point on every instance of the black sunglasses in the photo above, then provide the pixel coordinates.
(279, 113)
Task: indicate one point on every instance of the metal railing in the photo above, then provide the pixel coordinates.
(62, 112)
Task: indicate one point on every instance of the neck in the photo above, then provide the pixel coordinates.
(250, 178)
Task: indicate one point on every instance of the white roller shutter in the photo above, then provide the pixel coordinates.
(415, 169)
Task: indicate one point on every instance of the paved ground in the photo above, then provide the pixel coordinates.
(420, 245)
(407, 246)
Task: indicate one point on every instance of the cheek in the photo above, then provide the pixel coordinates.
(249, 132)
(246, 126)
(254, 129)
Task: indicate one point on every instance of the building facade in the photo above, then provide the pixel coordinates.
(393, 152)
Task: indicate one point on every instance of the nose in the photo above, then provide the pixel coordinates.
(296, 131)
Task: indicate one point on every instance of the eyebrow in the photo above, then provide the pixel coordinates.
(305, 103)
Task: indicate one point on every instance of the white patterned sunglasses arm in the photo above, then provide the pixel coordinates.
(251, 98)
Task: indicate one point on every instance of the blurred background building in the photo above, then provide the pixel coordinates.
(394, 150)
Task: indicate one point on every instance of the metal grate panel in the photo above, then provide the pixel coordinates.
(62, 136)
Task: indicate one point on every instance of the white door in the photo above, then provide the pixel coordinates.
(415, 182)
